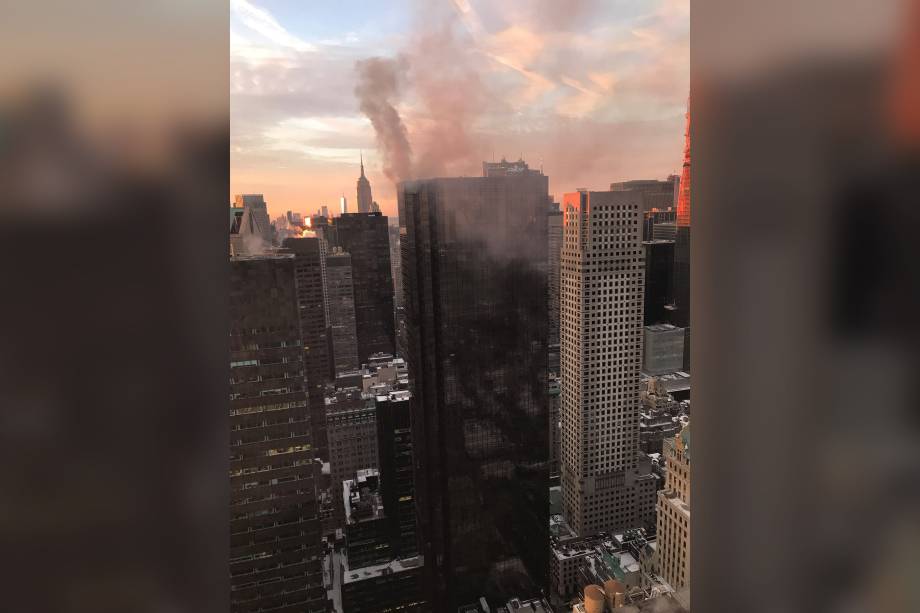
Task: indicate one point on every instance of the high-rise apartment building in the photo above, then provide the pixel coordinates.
(366, 237)
(308, 269)
(604, 486)
(274, 528)
(474, 271)
(365, 199)
(673, 533)
(341, 296)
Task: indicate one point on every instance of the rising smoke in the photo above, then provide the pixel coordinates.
(438, 69)
(378, 90)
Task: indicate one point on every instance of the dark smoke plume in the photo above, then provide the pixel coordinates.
(377, 90)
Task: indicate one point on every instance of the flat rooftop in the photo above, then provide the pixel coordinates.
(379, 570)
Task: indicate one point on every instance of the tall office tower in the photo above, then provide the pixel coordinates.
(673, 531)
(659, 281)
(343, 204)
(308, 266)
(681, 316)
(476, 348)
(682, 244)
(250, 227)
(397, 488)
(366, 237)
(554, 228)
(274, 528)
(341, 296)
(604, 487)
(365, 199)
(320, 226)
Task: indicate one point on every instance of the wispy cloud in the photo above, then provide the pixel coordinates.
(611, 77)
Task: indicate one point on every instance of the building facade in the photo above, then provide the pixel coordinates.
(342, 317)
(397, 488)
(274, 527)
(474, 271)
(308, 271)
(659, 281)
(604, 487)
(674, 513)
(663, 349)
(366, 237)
(351, 424)
(554, 229)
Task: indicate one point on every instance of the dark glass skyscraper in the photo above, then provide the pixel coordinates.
(274, 527)
(366, 237)
(475, 279)
(397, 488)
(659, 281)
(308, 269)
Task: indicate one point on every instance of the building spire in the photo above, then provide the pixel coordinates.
(362, 163)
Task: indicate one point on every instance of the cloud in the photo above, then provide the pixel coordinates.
(597, 88)
(262, 22)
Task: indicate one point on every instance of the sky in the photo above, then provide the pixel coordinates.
(594, 90)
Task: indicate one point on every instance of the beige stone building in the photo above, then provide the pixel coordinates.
(674, 513)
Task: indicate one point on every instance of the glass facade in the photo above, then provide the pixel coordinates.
(475, 280)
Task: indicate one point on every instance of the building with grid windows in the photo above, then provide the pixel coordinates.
(604, 485)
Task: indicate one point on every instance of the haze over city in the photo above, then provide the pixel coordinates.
(593, 91)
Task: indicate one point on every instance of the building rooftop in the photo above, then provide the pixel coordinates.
(379, 570)
(361, 496)
(662, 327)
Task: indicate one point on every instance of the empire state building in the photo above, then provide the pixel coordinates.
(365, 199)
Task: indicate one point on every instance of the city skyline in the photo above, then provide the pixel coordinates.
(612, 78)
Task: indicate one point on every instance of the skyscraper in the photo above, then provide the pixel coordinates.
(341, 295)
(682, 244)
(673, 531)
(555, 253)
(681, 316)
(308, 269)
(397, 488)
(659, 281)
(603, 486)
(274, 527)
(365, 199)
(476, 322)
(366, 237)
(343, 204)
